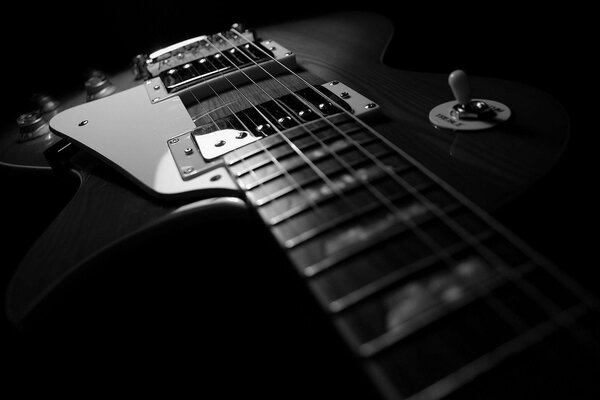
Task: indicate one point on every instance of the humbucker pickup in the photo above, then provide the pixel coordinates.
(223, 61)
(208, 57)
(214, 63)
(193, 49)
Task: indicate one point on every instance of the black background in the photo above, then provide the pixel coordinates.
(50, 47)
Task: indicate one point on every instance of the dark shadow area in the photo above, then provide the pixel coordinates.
(178, 311)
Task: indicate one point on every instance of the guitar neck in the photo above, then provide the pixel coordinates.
(425, 288)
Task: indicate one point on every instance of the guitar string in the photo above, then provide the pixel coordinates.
(283, 169)
(500, 308)
(309, 162)
(228, 107)
(320, 173)
(552, 311)
(533, 292)
(273, 159)
(391, 145)
(248, 77)
(236, 115)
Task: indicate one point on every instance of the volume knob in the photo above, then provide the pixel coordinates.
(32, 125)
(138, 67)
(47, 106)
(98, 86)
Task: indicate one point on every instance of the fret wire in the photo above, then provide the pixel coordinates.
(507, 314)
(458, 229)
(300, 125)
(277, 174)
(317, 157)
(265, 162)
(341, 256)
(298, 209)
(332, 223)
(364, 293)
(389, 338)
(469, 372)
(280, 193)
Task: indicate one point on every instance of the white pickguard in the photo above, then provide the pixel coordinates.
(131, 133)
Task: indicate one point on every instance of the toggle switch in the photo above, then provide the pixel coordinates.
(465, 113)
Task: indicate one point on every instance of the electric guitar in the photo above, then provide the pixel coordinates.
(298, 153)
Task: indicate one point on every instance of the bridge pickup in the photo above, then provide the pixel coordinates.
(221, 66)
(193, 49)
(214, 64)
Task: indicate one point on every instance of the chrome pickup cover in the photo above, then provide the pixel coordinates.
(193, 49)
(255, 60)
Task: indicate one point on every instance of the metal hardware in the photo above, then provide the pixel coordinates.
(359, 104)
(47, 106)
(474, 109)
(265, 129)
(32, 125)
(187, 51)
(138, 67)
(464, 113)
(98, 86)
(218, 143)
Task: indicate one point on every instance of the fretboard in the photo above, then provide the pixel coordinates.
(428, 290)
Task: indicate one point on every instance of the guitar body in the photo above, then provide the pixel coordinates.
(164, 285)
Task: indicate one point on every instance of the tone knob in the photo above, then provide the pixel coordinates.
(32, 125)
(138, 67)
(47, 106)
(98, 86)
